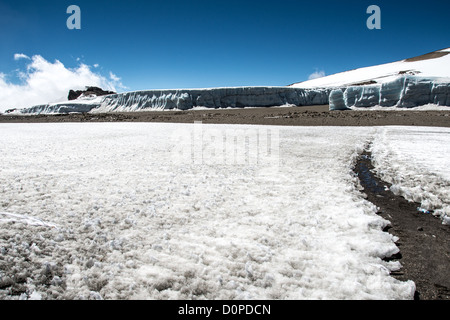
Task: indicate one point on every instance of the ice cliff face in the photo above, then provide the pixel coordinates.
(405, 91)
(60, 108)
(408, 83)
(185, 99)
(213, 98)
(402, 92)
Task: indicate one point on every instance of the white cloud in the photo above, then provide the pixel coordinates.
(113, 77)
(316, 75)
(116, 81)
(44, 82)
(19, 56)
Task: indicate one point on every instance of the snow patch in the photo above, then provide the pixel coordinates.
(415, 161)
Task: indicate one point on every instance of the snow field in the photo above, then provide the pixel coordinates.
(416, 161)
(438, 67)
(119, 219)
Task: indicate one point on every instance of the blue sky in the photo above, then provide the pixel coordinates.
(209, 43)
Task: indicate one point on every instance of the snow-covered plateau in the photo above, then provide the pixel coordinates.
(192, 211)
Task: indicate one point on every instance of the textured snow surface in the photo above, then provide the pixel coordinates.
(123, 218)
(416, 160)
(403, 92)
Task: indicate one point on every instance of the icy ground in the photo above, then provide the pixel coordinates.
(112, 211)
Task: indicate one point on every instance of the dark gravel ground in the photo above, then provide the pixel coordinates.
(290, 116)
(424, 242)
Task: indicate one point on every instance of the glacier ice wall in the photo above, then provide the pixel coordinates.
(337, 101)
(403, 92)
(239, 97)
(185, 99)
(60, 108)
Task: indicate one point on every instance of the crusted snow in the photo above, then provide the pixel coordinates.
(426, 107)
(137, 221)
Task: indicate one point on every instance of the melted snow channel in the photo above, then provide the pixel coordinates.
(415, 160)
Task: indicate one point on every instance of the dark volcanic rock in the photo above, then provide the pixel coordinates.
(89, 91)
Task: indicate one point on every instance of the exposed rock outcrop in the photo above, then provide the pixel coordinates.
(90, 91)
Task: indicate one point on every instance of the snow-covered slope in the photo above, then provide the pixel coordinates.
(434, 64)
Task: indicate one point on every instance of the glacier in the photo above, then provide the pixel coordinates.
(403, 91)
(60, 108)
(185, 99)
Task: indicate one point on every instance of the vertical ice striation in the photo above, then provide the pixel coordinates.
(239, 97)
(337, 101)
(441, 94)
(60, 108)
(185, 99)
(403, 92)
(392, 92)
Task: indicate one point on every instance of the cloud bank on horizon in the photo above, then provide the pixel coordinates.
(42, 81)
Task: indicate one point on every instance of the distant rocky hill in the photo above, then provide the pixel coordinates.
(90, 91)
